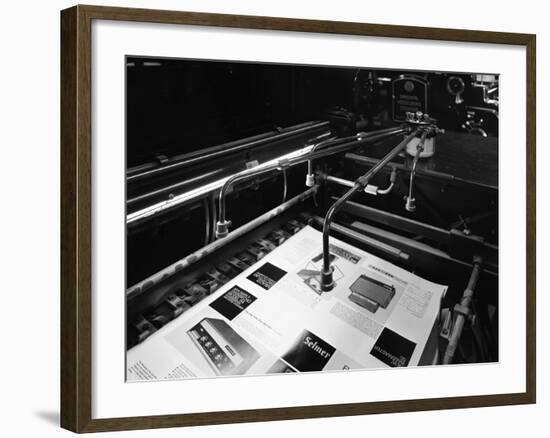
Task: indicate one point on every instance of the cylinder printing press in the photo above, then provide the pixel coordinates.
(227, 161)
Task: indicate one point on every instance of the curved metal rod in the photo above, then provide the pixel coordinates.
(328, 142)
(222, 226)
(393, 177)
(348, 183)
(327, 282)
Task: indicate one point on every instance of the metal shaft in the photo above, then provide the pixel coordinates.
(217, 244)
(410, 205)
(359, 184)
(231, 147)
(373, 136)
(460, 320)
(361, 136)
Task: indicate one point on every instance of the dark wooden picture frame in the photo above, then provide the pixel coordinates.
(76, 217)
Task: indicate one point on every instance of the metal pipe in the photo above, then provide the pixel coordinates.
(348, 183)
(410, 204)
(138, 288)
(394, 221)
(196, 194)
(388, 250)
(180, 184)
(462, 310)
(207, 218)
(327, 282)
(285, 186)
(310, 179)
(386, 190)
(171, 188)
(393, 178)
(328, 141)
(178, 201)
(139, 171)
(341, 181)
(232, 147)
(222, 226)
(213, 208)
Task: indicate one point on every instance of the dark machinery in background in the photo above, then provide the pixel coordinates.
(225, 161)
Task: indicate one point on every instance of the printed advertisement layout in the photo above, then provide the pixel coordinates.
(272, 318)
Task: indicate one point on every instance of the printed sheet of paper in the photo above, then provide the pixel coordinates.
(271, 318)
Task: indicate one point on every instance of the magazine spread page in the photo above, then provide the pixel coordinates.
(272, 318)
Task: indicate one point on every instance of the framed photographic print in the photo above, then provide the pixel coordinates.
(268, 218)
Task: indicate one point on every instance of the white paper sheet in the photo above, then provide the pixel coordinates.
(271, 319)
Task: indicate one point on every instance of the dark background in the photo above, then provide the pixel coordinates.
(178, 106)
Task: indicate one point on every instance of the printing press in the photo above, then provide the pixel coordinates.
(226, 161)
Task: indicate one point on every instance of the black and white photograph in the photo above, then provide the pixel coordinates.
(289, 218)
(274, 219)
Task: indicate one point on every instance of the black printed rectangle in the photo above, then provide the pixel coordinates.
(267, 275)
(233, 302)
(309, 352)
(393, 349)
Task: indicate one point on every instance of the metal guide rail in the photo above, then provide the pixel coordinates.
(182, 298)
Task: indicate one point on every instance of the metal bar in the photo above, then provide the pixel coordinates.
(439, 235)
(348, 183)
(285, 186)
(341, 181)
(410, 204)
(421, 255)
(206, 221)
(244, 175)
(225, 149)
(360, 183)
(464, 310)
(136, 170)
(184, 198)
(180, 200)
(388, 250)
(359, 136)
(393, 178)
(394, 238)
(138, 288)
(398, 222)
(212, 201)
(369, 161)
(249, 173)
(346, 146)
(171, 188)
(424, 173)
